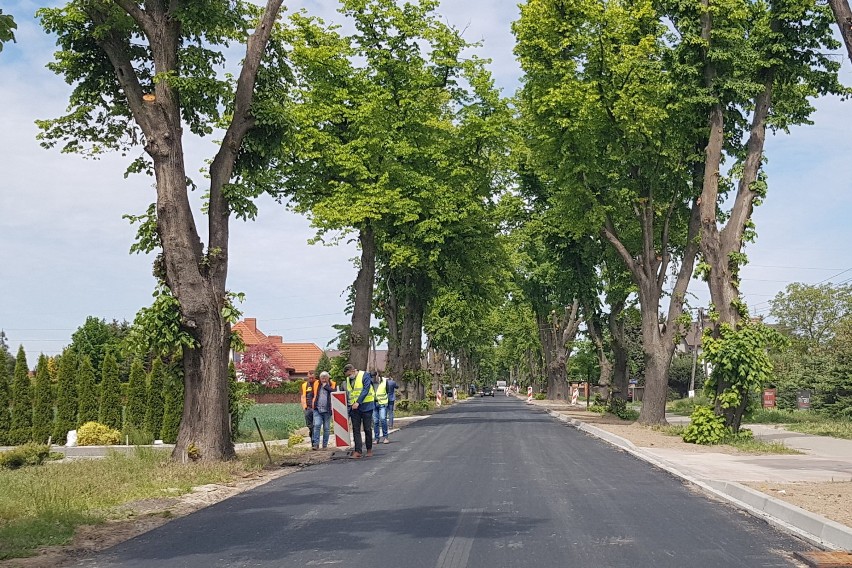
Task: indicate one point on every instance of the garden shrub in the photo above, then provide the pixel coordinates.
(27, 454)
(540, 396)
(705, 427)
(295, 440)
(618, 407)
(95, 434)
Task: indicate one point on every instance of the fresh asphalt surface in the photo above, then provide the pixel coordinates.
(488, 483)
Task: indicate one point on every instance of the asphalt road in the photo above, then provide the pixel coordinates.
(488, 483)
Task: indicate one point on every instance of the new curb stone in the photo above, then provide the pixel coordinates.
(814, 528)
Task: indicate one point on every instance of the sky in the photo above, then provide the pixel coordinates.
(64, 247)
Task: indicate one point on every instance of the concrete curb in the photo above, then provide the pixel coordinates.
(811, 527)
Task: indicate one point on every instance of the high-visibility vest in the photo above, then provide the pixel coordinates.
(356, 387)
(318, 390)
(308, 390)
(381, 391)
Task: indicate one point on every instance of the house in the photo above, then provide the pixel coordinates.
(377, 360)
(300, 357)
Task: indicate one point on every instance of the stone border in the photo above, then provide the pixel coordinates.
(813, 528)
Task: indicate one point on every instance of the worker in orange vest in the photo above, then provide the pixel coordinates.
(308, 390)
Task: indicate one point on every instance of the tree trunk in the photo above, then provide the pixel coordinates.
(596, 335)
(359, 332)
(557, 332)
(843, 15)
(619, 351)
(658, 360)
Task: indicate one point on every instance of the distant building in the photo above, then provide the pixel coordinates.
(377, 360)
(300, 357)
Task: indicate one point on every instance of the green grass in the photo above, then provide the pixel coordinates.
(806, 422)
(685, 406)
(277, 422)
(825, 427)
(42, 505)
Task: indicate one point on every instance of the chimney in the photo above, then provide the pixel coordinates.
(276, 339)
(251, 323)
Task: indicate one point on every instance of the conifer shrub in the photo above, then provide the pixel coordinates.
(136, 395)
(66, 397)
(96, 434)
(5, 401)
(109, 410)
(42, 403)
(87, 392)
(21, 430)
(154, 406)
(173, 404)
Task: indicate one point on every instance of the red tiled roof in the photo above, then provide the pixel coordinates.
(249, 332)
(304, 356)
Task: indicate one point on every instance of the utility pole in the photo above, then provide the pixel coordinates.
(698, 339)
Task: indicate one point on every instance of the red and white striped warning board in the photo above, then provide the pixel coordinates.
(340, 416)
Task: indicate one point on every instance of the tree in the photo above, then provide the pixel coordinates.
(66, 398)
(87, 392)
(95, 338)
(393, 127)
(22, 404)
(610, 142)
(7, 27)
(42, 403)
(154, 401)
(110, 407)
(141, 74)
(6, 358)
(5, 401)
(263, 364)
(811, 313)
(173, 405)
(136, 396)
(843, 17)
(324, 364)
(758, 66)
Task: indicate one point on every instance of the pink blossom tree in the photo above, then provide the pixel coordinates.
(264, 364)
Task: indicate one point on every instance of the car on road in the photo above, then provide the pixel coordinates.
(487, 391)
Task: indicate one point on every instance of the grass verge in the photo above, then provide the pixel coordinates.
(806, 422)
(42, 505)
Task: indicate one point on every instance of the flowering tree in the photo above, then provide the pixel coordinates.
(264, 364)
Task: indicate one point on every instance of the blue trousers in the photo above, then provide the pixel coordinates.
(322, 421)
(380, 420)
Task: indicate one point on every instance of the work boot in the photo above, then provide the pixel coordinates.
(314, 448)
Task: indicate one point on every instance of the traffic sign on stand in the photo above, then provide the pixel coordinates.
(340, 417)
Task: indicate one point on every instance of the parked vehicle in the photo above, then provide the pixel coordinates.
(487, 391)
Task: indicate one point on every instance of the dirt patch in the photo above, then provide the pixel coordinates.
(138, 517)
(829, 499)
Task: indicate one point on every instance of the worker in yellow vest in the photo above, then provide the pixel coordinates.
(362, 402)
(380, 414)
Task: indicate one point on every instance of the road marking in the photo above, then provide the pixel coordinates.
(457, 550)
